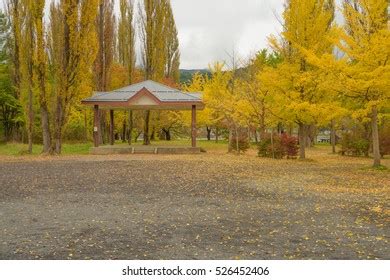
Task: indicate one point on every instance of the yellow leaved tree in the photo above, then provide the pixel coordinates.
(209, 117)
(223, 94)
(296, 82)
(364, 71)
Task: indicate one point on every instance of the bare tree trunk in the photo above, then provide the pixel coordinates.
(58, 126)
(46, 135)
(85, 126)
(58, 139)
(333, 136)
(124, 131)
(146, 128)
(130, 126)
(230, 148)
(375, 137)
(153, 134)
(169, 137)
(111, 128)
(137, 136)
(368, 137)
(262, 128)
(302, 141)
(167, 134)
(237, 143)
(216, 135)
(30, 120)
(310, 135)
(208, 133)
(103, 127)
(272, 143)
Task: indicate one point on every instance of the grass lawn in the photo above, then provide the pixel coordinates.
(17, 149)
(74, 149)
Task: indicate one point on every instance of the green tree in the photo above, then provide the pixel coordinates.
(10, 109)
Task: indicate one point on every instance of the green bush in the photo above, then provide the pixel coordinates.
(352, 145)
(74, 131)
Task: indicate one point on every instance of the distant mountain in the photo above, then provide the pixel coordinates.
(186, 74)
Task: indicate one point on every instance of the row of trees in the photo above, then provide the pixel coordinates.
(47, 67)
(319, 74)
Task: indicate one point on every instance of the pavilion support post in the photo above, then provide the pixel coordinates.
(96, 126)
(112, 139)
(193, 126)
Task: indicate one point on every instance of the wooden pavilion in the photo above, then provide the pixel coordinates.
(147, 95)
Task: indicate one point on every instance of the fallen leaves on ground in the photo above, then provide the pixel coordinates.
(209, 206)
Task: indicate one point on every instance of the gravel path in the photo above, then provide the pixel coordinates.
(197, 207)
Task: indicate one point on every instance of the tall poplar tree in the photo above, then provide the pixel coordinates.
(126, 38)
(172, 71)
(105, 30)
(159, 47)
(9, 104)
(151, 14)
(14, 7)
(28, 59)
(73, 48)
(23, 51)
(105, 25)
(13, 11)
(38, 7)
(126, 50)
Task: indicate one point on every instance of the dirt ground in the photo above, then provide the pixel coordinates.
(209, 206)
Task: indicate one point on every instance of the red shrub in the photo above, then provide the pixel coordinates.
(279, 146)
(384, 139)
(290, 145)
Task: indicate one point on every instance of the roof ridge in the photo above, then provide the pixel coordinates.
(144, 84)
(100, 93)
(165, 86)
(121, 89)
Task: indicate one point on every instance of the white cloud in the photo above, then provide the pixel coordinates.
(208, 30)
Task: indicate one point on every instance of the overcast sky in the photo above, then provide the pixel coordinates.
(209, 29)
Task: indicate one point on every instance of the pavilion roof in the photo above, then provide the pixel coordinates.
(162, 92)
